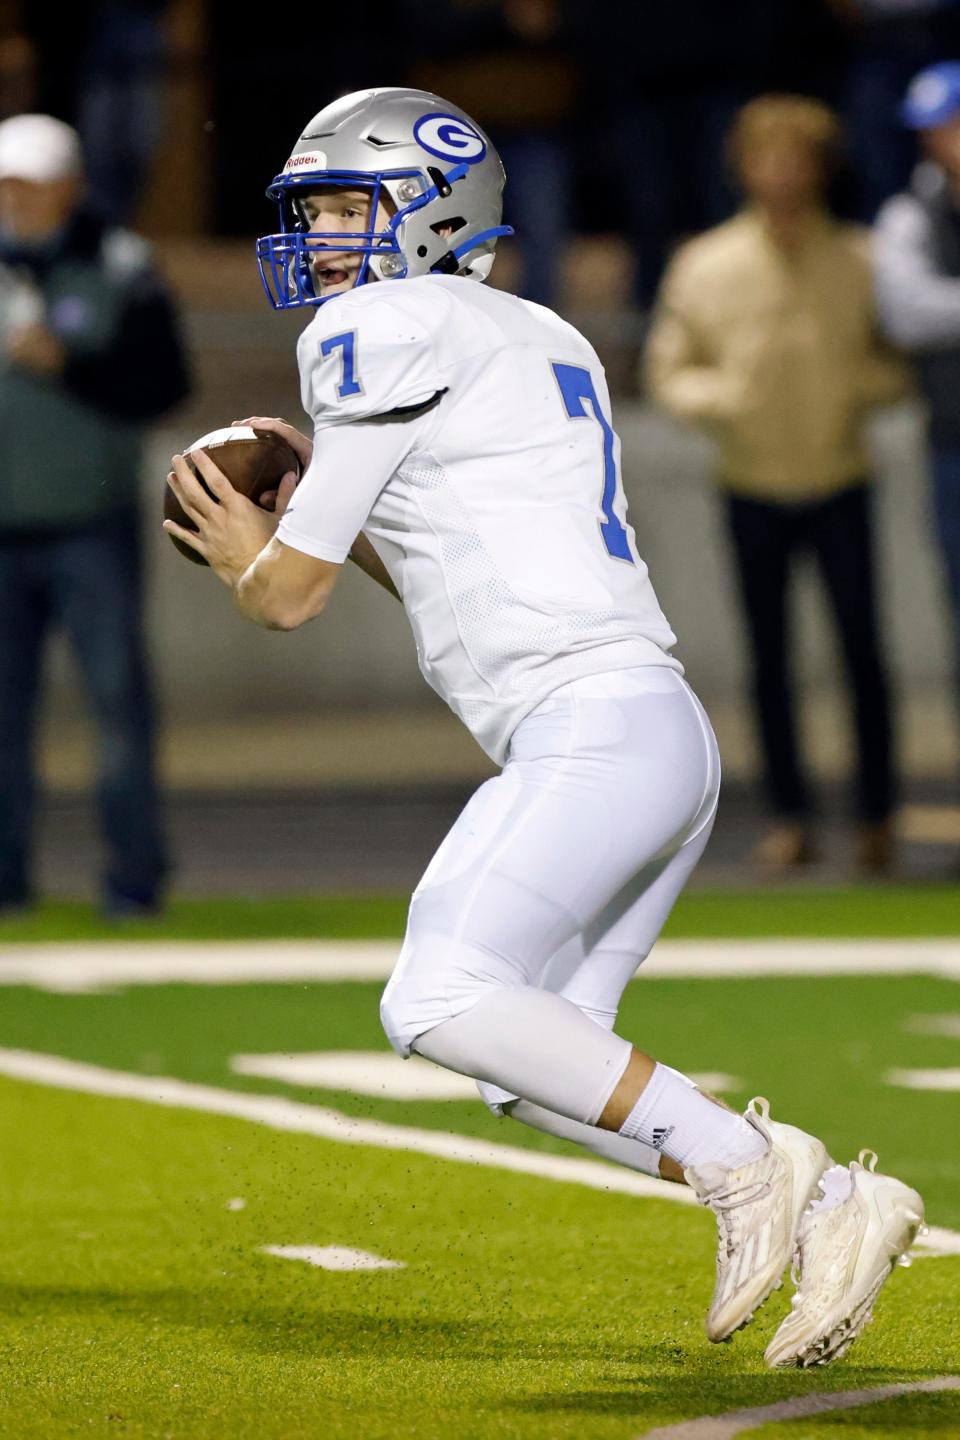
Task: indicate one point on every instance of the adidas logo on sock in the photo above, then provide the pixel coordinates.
(661, 1135)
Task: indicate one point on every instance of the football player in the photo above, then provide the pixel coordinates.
(463, 455)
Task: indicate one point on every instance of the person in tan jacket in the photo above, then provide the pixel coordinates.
(765, 335)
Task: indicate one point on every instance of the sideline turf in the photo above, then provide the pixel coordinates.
(856, 911)
(136, 1304)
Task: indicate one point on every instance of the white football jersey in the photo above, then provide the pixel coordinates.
(467, 433)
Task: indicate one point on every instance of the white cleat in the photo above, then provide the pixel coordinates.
(844, 1256)
(758, 1209)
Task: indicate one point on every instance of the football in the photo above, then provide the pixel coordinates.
(254, 461)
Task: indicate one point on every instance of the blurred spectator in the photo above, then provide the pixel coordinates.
(18, 75)
(917, 253)
(663, 83)
(765, 336)
(889, 42)
(90, 353)
(508, 63)
(121, 101)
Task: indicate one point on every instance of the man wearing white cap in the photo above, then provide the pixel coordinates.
(89, 353)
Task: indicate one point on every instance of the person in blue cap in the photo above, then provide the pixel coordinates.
(917, 256)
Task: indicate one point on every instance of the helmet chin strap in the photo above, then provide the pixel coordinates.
(480, 268)
(391, 267)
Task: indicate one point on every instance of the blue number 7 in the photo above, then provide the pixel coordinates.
(576, 386)
(347, 345)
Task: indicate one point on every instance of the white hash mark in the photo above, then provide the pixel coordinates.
(384, 1074)
(924, 1079)
(333, 1257)
(948, 1025)
(362, 1072)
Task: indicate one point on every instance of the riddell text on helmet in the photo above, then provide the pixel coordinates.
(312, 160)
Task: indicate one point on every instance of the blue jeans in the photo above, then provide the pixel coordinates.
(768, 538)
(87, 581)
(945, 464)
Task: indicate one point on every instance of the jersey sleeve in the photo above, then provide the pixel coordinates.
(351, 464)
(359, 361)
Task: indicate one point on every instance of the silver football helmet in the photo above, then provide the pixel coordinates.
(439, 173)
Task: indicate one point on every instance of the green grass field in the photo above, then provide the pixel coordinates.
(138, 1299)
(864, 910)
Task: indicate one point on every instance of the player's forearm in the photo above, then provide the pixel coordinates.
(253, 600)
(366, 559)
(281, 590)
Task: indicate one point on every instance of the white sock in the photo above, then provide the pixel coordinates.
(835, 1185)
(679, 1121)
(605, 1143)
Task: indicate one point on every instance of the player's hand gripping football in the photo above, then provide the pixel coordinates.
(301, 446)
(231, 531)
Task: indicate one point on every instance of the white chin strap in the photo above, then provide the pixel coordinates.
(479, 267)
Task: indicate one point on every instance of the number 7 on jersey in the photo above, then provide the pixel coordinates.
(347, 345)
(576, 386)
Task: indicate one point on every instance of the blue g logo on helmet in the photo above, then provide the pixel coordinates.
(450, 138)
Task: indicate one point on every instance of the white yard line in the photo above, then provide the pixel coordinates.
(293, 1116)
(296, 1117)
(333, 1257)
(739, 1422)
(97, 965)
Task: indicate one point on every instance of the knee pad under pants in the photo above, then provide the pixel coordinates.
(437, 978)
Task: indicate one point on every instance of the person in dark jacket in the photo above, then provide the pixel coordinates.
(89, 354)
(917, 263)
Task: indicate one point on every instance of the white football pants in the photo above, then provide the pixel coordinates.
(551, 888)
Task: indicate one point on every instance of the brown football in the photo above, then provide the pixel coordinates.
(254, 461)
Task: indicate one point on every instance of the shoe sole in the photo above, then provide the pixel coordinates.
(897, 1236)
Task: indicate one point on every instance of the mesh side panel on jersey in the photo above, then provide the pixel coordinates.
(502, 634)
